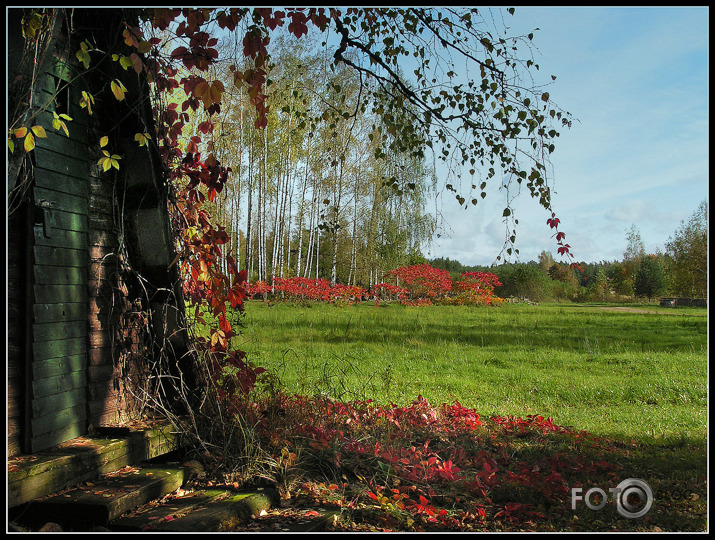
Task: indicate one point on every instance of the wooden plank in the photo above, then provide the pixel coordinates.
(66, 221)
(55, 161)
(61, 201)
(70, 465)
(53, 331)
(59, 419)
(58, 238)
(46, 440)
(60, 293)
(57, 142)
(57, 402)
(44, 350)
(147, 484)
(59, 312)
(60, 257)
(51, 367)
(69, 105)
(63, 183)
(58, 384)
(57, 275)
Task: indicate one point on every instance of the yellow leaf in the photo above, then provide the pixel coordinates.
(29, 144)
(125, 62)
(64, 127)
(142, 138)
(56, 123)
(87, 101)
(105, 163)
(11, 145)
(103, 142)
(39, 131)
(20, 133)
(117, 91)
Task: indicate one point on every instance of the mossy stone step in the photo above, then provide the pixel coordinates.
(200, 511)
(106, 498)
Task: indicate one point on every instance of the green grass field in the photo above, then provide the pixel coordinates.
(613, 373)
(633, 376)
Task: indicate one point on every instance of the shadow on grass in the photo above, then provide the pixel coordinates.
(675, 471)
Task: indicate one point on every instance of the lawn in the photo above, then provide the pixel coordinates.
(629, 383)
(624, 374)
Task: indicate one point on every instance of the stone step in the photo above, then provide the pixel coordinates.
(97, 502)
(203, 510)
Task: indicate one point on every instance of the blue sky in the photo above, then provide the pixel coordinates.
(636, 79)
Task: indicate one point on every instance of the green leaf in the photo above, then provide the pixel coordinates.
(125, 62)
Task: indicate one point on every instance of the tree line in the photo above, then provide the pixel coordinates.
(680, 271)
(314, 194)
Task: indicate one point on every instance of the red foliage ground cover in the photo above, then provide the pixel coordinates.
(421, 467)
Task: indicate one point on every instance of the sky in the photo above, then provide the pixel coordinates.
(636, 82)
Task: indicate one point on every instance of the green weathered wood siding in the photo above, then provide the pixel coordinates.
(60, 261)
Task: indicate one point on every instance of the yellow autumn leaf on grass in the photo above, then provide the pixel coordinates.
(109, 161)
(118, 89)
(142, 138)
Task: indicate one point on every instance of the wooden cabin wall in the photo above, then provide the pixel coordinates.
(118, 341)
(59, 272)
(80, 331)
